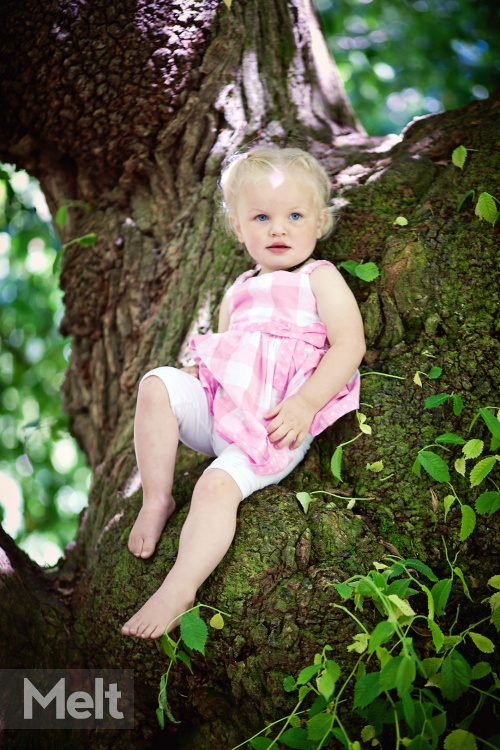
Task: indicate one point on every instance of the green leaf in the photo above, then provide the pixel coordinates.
(160, 717)
(460, 466)
(87, 239)
(296, 738)
(194, 632)
(217, 621)
(480, 670)
(406, 673)
(448, 502)
(450, 437)
(491, 422)
(468, 522)
(367, 271)
(455, 676)
(260, 743)
(440, 593)
(305, 500)
(228, 4)
(434, 465)
(344, 590)
(488, 503)
(368, 733)
(289, 684)
(460, 739)
(185, 658)
(167, 644)
(389, 674)
(481, 470)
(376, 466)
(308, 673)
(419, 743)
(336, 462)
(319, 726)
(431, 666)
(458, 156)
(349, 266)
(408, 710)
(62, 216)
(401, 221)
(463, 198)
(433, 401)
(317, 707)
(382, 633)
(434, 373)
(333, 669)
(483, 644)
(417, 467)
(326, 686)
(458, 572)
(486, 208)
(437, 634)
(495, 614)
(494, 581)
(458, 405)
(473, 448)
(402, 605)
(366, 689)
(420, 567)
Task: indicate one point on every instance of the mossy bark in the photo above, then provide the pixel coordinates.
(142, 144)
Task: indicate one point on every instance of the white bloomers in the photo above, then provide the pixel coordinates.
(196, 430)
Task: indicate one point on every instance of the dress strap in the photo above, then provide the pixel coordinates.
(312, 266)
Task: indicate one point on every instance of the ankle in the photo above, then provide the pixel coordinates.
(156, 501)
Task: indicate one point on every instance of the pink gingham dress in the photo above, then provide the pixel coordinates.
(273, 345)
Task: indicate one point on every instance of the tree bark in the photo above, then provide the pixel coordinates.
(132, 109)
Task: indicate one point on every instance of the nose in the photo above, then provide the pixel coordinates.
(278, 227)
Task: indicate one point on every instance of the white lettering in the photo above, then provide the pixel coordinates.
(57, 692)
(113, 694)
(78, 703)
(99, 698)
(78, 711)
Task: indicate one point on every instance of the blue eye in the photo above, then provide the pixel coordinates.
(261, 217)
(295, 216)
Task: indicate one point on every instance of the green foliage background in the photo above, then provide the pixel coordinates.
(401, 59)
(398, 59)
(36, 449)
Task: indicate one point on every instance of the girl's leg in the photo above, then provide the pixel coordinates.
(156, 436)
(205, 538)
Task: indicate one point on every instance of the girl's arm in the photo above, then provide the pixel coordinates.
(223, 316)
(339, 312)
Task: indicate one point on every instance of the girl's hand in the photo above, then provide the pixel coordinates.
(192, 370)
(291, 421)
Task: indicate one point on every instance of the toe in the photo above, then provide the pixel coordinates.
(148, 547)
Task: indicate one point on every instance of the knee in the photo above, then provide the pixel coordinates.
(216, 486)
(151, 390)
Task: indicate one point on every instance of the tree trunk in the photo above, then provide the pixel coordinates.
(132, 108)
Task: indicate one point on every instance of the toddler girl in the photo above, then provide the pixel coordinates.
(282, 367)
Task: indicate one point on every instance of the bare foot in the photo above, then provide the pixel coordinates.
(148, 527)
(160, 610)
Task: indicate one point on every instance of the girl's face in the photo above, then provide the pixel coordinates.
(278, 220)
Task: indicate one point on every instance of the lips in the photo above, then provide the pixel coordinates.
(278, 247)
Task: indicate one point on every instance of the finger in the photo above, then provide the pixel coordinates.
(287, 441)
(273, 412)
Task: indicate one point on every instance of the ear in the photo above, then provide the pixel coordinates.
(236, 227)
(322, 218)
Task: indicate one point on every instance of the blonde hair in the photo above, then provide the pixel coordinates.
(263, 160)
